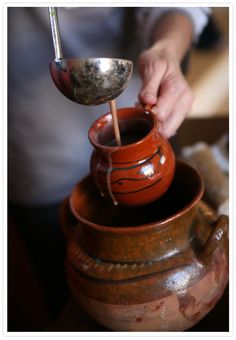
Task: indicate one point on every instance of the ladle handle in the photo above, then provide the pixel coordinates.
(55, 32)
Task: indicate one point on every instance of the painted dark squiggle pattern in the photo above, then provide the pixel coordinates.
(119, 181)
(145, 159)
(124, 180)
(138, 190)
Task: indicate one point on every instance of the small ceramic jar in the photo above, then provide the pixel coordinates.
(141, 169)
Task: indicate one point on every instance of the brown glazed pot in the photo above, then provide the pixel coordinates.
(139, 171)
(159, 267)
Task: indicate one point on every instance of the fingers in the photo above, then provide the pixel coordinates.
(165, 89)
(152, 72)
(172, 109)
(169, 125)
(148, 92)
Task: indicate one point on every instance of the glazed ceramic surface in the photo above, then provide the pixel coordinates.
(139, 171)
(159, 267)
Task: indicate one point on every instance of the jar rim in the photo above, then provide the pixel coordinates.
(107, 117)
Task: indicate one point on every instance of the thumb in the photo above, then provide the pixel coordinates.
(149, 90)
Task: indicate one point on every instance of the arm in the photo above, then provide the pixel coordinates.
(175, 32)
(164, 85)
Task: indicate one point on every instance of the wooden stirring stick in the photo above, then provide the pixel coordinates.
(115, 121)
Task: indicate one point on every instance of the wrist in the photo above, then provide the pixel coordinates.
(173, 35)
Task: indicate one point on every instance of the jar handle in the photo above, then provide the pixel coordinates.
(148, 107)
(216, 238)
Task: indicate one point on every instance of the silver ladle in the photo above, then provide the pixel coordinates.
(89, 81)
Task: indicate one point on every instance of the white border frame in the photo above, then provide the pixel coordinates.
(3, 185)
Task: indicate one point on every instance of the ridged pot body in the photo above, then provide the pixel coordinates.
(161, 267)
(141, 169)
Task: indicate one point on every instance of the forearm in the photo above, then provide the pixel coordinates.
(173, 35)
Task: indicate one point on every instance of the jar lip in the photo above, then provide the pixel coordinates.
(96, 144)
(146, 226)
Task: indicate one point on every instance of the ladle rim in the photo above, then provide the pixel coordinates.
(92, 59)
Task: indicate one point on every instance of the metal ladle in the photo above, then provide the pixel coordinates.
(89, 81)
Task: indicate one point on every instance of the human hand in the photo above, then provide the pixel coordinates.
(164, 88)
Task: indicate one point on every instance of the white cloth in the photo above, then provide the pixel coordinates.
(48, 147)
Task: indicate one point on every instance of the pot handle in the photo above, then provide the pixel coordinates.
(217, 237)
(68, 223)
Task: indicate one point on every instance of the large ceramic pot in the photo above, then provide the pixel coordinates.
(159, 267)
(139, 171)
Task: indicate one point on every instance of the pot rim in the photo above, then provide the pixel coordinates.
(146, 226)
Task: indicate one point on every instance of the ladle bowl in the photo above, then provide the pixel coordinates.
(91, 81)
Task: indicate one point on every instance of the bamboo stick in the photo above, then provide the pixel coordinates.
(115, 122)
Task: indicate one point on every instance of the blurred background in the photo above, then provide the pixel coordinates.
(208, 72)
(208, 76)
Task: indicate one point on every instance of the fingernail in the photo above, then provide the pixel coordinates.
(148, 98)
